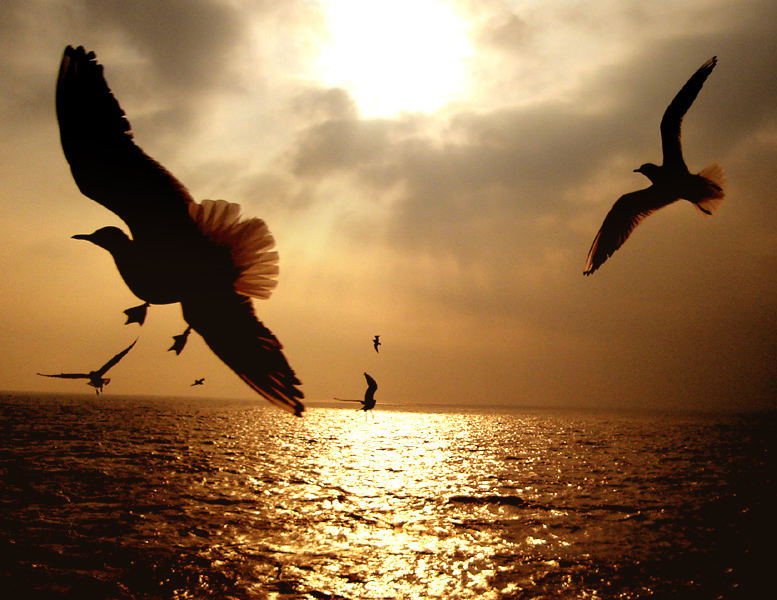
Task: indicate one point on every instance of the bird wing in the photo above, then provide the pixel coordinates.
(372, 385)
(106, 367)
(369, 393)
(106, 164)
(674, 113)
(627, 212)
(229, 326)
(68, 375)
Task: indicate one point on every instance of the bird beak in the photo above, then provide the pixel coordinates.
(81, 236)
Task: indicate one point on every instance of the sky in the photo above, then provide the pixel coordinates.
(433, 172)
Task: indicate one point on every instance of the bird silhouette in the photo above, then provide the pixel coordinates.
(179, 341)
(369, 395)
(376, 342)
(670, 181)
(201, 255)
(199, 381)
(96, 379)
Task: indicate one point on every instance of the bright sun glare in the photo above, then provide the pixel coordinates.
(395, 56)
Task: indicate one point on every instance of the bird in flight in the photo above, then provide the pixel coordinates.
(376, 342)
(179, 341)
(670, 181)
(96, 378)
(369, 395)
(201, 255)
(199, 381)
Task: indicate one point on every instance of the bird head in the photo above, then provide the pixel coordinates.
(650, 171)
(106, 237)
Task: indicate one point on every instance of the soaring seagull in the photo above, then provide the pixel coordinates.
(369, 394)
(670, 181)
(200, 381)
(376, 342)
(202, 255)
(96, 379)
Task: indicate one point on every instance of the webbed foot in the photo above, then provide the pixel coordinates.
(136, 314)
(180, 341)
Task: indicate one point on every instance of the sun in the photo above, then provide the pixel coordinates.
(403, 55)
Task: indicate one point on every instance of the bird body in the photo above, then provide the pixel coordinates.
(201, 255)
(670, 181)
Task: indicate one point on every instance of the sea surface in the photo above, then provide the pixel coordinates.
(116, 497)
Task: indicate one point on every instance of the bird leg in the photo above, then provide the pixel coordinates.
(180, 340)
(136, 314)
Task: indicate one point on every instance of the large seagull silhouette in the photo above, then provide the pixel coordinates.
(202, 255)
(670, 182)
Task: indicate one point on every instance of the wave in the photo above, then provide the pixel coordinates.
(488, 499)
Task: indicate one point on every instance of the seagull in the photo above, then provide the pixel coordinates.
(202, 255)
(199, 381)
(369, 395)
(96, 379)
(179, 341)
(376, 342)
(670, 181)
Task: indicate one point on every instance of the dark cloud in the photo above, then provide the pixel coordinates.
(330, 104)
(189, 43)
(506, 32)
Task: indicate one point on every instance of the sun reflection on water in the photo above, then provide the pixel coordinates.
(369, 495)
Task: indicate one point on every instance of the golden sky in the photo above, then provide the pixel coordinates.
(433, 172)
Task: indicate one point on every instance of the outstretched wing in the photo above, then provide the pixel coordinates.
(229, 326)
(674, 113)
(627, 212)
(106, 164)
(104, 369)
(68, 375)
(372, 385)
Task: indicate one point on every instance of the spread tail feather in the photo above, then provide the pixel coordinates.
(249, 242)
(716, 181)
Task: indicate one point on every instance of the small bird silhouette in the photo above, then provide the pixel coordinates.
(670, 182)
(96, 379)
(179, 341)
(369, 395)
(199, 381)
(376, 342)
(202, 255)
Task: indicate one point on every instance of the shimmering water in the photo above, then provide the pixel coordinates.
(161, 498)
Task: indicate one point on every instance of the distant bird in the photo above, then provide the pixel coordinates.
(376, 342)
(670, 181)
(199, 381)
(369, 395)
(202, 255)
(179, 341)
(96, 379)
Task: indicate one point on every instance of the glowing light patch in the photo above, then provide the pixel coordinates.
(405, 55)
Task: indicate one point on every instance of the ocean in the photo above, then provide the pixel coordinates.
(154, 498)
